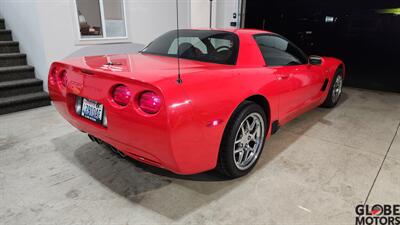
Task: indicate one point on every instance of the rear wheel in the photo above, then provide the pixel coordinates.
(335, 90)
(243, 140)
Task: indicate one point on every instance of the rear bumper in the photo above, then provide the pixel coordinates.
(171, 140)
(116, 135)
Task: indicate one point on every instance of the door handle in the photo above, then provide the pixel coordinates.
(283, 76)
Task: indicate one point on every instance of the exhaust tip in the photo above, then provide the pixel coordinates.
(99, 141)
(91, 138)
(95, 139)
(118, 152)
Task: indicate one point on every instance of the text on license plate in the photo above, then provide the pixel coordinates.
(92, 110)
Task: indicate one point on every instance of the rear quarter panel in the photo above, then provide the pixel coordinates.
(214, 95)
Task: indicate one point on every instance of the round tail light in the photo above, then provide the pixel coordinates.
(150, 102)
(63, 78)
(52, 76)
(121, 95)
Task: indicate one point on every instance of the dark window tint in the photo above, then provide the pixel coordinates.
(202, 45)
(279, 52)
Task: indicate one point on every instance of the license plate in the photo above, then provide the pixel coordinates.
(92, 110)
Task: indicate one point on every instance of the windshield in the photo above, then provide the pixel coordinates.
(201, 45)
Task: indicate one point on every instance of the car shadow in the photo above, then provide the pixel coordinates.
(161, 191)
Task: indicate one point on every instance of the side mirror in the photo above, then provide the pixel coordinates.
(315, 60)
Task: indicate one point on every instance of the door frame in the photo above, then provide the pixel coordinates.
(242, 12)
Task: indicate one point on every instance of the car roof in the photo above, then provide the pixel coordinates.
(237, 30)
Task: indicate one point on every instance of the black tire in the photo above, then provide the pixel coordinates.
(226, 162)
(331, 100)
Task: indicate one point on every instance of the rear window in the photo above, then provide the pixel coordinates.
(201, 45)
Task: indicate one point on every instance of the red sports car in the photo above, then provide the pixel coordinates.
(231, 91)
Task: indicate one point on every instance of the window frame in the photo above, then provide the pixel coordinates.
(282, 37)
(104, 39)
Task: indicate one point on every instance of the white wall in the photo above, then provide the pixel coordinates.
(222, 13)
(200, 13)
(225, 10)
(47, 29)
(148, 19)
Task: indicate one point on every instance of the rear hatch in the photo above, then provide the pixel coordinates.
(141, 67)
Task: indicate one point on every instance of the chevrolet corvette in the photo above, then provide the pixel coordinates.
(195, 100)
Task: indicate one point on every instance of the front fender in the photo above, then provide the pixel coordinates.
(332, 64)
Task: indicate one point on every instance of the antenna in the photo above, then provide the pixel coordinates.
(211, 5)
(179, 80)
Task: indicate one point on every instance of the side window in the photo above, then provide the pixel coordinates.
(279, 52)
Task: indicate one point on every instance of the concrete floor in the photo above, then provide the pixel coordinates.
(315, 170)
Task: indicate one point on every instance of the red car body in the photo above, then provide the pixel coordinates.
(185, 135)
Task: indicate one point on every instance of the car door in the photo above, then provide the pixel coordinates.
(299, 82)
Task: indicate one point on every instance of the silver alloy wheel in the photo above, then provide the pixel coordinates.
(337, 88)
(248, 141)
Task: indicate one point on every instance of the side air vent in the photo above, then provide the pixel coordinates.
(324, 85)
